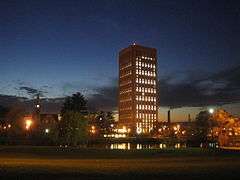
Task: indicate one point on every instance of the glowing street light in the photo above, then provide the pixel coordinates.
(175, 128)
(28, 124)
(211, 110)
(93, 129)
(47, 131)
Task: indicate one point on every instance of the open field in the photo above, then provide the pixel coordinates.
(71, 163)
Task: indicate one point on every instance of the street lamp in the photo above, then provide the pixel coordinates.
(93, 129)
(211, 110)
(28, 124)
(47, 131)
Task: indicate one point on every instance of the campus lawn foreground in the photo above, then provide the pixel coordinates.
(26, 162)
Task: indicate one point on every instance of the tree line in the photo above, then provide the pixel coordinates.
(71, 129)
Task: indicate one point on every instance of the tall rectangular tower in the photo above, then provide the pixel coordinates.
(138, 88)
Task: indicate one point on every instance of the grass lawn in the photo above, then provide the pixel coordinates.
(21, 162)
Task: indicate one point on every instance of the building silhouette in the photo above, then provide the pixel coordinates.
(138, 89)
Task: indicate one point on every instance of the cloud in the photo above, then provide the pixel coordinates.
(51, 105)
(188, 91)
(191, 90)
(7, 100)
(29, 90)
(32, 91)
(105, 98)
(69, 88)
(216, 89)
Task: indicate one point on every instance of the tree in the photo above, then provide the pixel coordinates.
(3, 111)
(225, 122)
(15, 117)
(73, 128)
(110, 118)
(76, 103)
(73, 125)
(203, 124)
(103, 121)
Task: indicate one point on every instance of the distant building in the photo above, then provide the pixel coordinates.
(138, 88)
(49, 119)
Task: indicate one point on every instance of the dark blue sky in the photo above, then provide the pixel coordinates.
(65, 46)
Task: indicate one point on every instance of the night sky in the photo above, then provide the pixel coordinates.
(60, 47)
